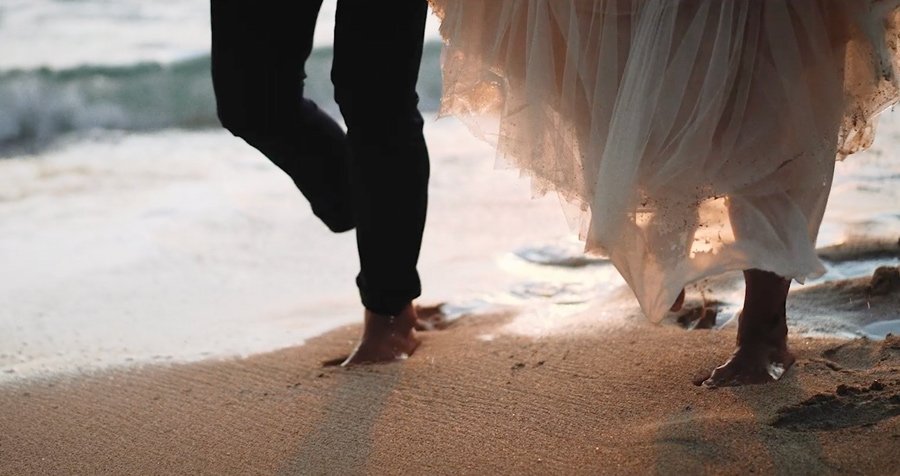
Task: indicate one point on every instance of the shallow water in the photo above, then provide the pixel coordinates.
(134, 231)
(60, 73)
(62, 34)
(879, 330)
(172, 246)
(182, 245)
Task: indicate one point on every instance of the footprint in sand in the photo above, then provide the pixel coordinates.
(861, 354)
(848, 407)
(851, 405)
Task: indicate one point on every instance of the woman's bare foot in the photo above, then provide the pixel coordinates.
(751, 364)
(762, 354)
(386, 338)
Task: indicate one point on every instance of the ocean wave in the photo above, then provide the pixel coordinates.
(42, 104)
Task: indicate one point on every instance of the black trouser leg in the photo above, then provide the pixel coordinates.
(378, 48)
(258, 53)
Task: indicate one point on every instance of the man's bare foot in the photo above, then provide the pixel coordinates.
(386, 338)
(762, 353)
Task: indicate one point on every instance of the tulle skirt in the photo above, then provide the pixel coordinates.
(693, 137)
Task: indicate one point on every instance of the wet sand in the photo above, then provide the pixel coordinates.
(473, 399)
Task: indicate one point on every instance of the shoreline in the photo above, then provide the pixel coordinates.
(845, 311)
(835, 310)
(183, 245)
(600, 401)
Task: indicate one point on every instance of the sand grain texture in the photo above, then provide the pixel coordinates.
(596, 402)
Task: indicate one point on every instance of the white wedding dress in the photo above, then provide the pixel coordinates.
(694, 136)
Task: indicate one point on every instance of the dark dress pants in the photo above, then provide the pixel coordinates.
(374, 177)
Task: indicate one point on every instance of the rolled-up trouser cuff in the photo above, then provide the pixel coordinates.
(387, 303)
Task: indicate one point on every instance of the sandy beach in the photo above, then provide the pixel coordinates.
(473, 400)
(167, 299)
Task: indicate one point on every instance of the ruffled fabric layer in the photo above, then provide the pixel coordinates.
(693, 137)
